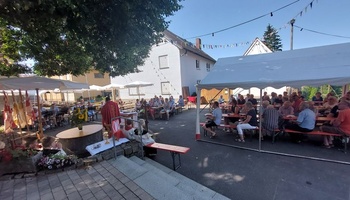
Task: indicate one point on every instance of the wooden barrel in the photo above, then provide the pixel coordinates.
(76, 140)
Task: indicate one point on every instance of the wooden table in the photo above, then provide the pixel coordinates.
(76, 140)
(232, 115)
(319, 119)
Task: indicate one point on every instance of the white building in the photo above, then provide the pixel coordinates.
(258, 47)
(173, 66)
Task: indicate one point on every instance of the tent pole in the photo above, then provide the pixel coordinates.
(260, 119)
(198, 133)
(41, 134)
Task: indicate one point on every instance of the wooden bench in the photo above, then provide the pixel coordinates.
(314, 132)
(317, 132)
(173, 149)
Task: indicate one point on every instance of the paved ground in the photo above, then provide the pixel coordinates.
(240, 170)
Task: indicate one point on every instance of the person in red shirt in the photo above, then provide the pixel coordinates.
(340, 125)
(109, 111)
(296, 104)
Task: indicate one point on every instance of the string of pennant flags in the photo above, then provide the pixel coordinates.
(160, 75)
(243, 43)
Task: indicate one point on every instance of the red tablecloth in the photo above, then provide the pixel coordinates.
(192, 99)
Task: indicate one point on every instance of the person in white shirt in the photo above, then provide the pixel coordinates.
(214, 119)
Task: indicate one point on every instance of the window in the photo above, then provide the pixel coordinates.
(98, 75)
(208, 67)
(136, 91)
(163, 62)
(197, 64)
(165, 87)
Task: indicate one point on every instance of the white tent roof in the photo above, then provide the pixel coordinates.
(36, 82)
(303, 67)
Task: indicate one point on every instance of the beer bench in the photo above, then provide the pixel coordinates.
(173, 149)
(317, 132)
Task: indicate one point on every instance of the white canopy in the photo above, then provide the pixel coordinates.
(41, 83)
(138, 84)
(303, 67)
(112, 86)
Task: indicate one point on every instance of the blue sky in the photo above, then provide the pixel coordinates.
(200, 17)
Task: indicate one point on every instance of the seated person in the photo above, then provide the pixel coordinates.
(172, 104)
(91, 111)
(286, 109)
(181, 101)
(51, 146)
(138, 105)
(318, 98)
(221, 100)
(305, 123)
(340, 125)
(278, 100)
(146, 139)
(54, 109)
(233, 109)
(120, 102)
(166, 108)
(253, 100)
(270, 120)
(214, 119)
(327, 107)
(150, 108)
(264, 105)
(240, 100)
(296, 101)
(250, 122)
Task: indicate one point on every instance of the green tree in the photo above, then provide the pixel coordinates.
(74, 36)
(272, 39)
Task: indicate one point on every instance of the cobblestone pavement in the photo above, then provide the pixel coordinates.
(99, 181)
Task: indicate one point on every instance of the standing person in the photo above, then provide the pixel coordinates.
(109, 110)
(214, 119)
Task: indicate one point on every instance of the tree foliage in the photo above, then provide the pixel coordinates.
(272, 39)
(74, 36)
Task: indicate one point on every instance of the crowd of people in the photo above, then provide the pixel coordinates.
(275, 110)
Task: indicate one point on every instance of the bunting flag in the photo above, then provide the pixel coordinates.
(7, 114)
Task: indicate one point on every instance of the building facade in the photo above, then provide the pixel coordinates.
(174, 67)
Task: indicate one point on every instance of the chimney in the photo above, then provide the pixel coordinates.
(198, 43)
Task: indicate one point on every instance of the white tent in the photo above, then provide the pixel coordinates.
(303, 67)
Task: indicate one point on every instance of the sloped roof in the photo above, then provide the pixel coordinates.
(259, 46)
(302, 67)
(184, 44)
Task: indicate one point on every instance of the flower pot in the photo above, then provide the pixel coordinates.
(80, 127)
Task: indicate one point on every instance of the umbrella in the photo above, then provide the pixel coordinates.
(137, 85)
(39, 83)
(113, 86)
